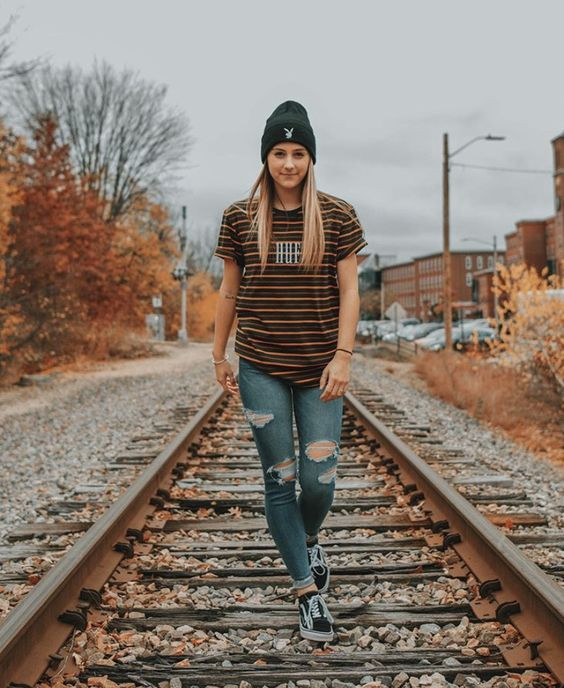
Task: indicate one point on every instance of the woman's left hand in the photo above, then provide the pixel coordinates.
(335, 377)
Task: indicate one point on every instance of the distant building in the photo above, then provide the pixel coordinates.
(540, 243)
(418, 284)
(369, 269)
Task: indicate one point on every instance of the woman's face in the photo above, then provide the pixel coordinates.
(288, 163)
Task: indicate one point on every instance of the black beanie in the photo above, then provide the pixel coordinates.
(289, 122)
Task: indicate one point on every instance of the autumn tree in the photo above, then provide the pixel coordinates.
(10, 315)
(61, 270)
(124, 141)
(532, 313)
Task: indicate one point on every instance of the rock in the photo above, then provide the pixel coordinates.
(392, 637)
(366, 679)
(451, 661)
(175, 682)
(364, 641)
(430, 628)
(400, 679)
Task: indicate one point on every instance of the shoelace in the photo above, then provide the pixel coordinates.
(317, 608)
(317, 557)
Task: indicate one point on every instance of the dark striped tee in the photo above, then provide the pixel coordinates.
(288, 318)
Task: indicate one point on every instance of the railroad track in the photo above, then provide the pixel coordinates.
(193, 592)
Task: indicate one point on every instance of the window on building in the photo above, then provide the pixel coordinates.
(468, 262)
(490, 261)
(479, 262)
(468, 279)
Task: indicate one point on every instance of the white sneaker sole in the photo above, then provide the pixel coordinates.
(316, 635)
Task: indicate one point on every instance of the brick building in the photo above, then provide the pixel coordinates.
(540, 243)
(418, 284)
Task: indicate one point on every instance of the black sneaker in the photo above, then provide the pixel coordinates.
(316, 622)
(319, 567)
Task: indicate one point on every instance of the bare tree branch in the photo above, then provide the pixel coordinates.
(124, 141)
(13, 69)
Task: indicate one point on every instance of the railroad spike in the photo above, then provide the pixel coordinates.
(487, 587)
(506, 609)
(410, 487)
(74, 617)
(438, 526)
(415, 498)
(134, 533)
(92, 596)
(451, 539)
(165, 494)
(54, 660)
(157, 501)
(533, 646)
(126, 548)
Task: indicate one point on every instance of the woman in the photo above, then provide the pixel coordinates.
(290, 275)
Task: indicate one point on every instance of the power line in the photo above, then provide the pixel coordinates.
(502, 169)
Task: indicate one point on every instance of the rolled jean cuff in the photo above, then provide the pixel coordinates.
(302, 583)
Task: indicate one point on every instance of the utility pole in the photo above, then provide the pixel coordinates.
(447, 277)
(447, 289)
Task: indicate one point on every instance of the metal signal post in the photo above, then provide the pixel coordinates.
(180, 273)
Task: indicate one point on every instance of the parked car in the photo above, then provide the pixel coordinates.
(463, 337)
(479, 336)
(389, 327)
(431, 338)
(422, 330)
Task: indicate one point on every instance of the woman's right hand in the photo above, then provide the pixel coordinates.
(224, 375)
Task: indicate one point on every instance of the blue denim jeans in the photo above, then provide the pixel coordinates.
(269, 405)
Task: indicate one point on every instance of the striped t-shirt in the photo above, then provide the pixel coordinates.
(288, 317)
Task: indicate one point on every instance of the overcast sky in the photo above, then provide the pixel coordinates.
(381, 80)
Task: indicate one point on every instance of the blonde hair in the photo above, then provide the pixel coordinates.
(259, 213)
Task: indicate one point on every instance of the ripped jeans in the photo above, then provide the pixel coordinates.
(269, 405)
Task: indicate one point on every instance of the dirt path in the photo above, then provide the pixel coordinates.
(169, 357)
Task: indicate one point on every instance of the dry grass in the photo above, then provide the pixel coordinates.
(530, 414)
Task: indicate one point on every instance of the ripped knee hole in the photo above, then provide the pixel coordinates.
(283, 472)
(258, 419)
(321, 450)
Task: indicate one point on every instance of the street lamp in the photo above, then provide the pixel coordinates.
(494, 245)
(447, 296)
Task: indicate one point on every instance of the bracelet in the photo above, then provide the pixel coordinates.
(222, 360)
(345, 350)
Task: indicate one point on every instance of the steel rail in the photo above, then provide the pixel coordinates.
(32, 631)
(513, 586)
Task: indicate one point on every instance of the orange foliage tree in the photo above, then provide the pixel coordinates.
(532, 312)
(61, 265)
(10, 315)
(72, 283)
